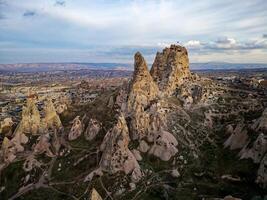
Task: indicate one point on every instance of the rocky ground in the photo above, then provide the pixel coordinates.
(164, 134)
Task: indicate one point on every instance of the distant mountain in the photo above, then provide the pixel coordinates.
(225, 66)
(46, 67)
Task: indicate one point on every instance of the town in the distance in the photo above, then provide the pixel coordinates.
(169, 130)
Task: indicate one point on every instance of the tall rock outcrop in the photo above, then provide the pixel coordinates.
(142, 88)
(31, 120)
(171, 68)
(32, 123)
(147, 114)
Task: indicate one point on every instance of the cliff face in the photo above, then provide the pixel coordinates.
(170, 68)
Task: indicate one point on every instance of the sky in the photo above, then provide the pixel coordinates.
(113, 30)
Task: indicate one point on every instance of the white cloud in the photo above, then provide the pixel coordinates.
(193, 44)
(139, 23)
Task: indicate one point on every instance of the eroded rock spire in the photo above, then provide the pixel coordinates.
(143, 89)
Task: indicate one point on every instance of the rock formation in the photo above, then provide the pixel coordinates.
(257, 151)
(95, 195)
(51, 119)
(137, 155)
(148, 115)
(262, 172)
(116, 154)
(143, 146)
(43, 145)
(121, 98)
(164, 145)
(142, 91)
(19, 140)
(7, 153)
(142, 88)
(30, 163)
(229, 197)
(170, 68)
(31, 120)
(261, 123)
(10, 148)
(189, 93)
(60, 108)
(238, 137)
(6, 126)
(31, 123)
(76, 129)
(92, 129)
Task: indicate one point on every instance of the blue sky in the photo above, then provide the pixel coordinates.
(112, 31)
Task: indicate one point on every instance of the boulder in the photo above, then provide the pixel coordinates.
(143, 146)
(164, 145)
(137, 155)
